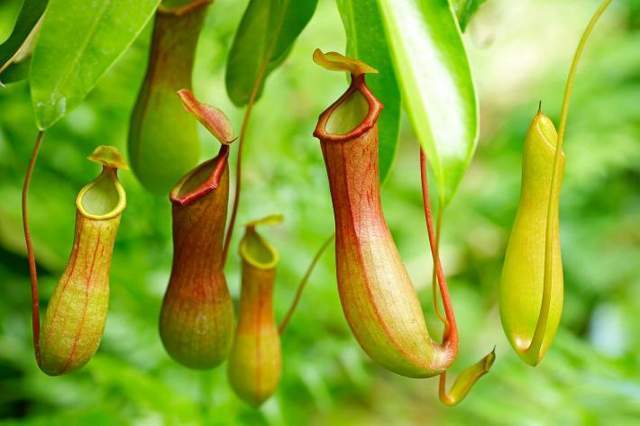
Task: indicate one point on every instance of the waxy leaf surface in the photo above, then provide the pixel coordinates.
(79, 40)
(264, 38)
(366, 41)
(436, 83)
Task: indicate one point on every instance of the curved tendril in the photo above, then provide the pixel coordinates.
(470, 375)
(303, 283)
(434, 290)
(31, 256)
(260, 75)
(541, 326)
(238, 189)
(451, 330)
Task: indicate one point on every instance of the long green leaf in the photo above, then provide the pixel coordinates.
(79, 40)
(264, 38)
(366, 41)
(432, 66)
(15, 48)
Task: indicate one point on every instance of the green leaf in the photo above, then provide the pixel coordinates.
(264, 38)
(435, 79)
(9, 11)
(366, 42)
(79, 40)
(465, 9)
(16, 47)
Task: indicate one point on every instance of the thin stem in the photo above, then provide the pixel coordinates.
(442, 389)
(243, 133)
(303, 283)
(450, 334)
(541, 325)
(31, 257)
(442, 384)
(470, 375)
(573, 71)
(436, 305)
(238, 188)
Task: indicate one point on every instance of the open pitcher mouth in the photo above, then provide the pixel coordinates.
(201, 180)
(352, 115)
(254, 249)
(103, 198)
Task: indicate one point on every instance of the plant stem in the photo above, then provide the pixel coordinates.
(541, 325)
(434, 289)
(436, 305)
(303, 283)
(243, 133)
(451, 330)
(470, 375)
(236, 196)
(31, 257)
(441, 206)
(243, 130)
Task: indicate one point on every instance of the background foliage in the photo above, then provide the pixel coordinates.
(519, 53)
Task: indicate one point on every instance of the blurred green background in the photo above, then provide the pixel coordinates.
(520, 53)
